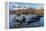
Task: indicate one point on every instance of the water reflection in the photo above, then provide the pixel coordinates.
(25, 21)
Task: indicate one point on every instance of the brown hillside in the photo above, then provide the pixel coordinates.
(30, 11)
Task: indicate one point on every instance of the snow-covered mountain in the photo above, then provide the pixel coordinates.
(18, 5)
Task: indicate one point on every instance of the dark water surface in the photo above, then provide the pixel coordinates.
(39, 23)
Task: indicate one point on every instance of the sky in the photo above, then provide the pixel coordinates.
(13, 5)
